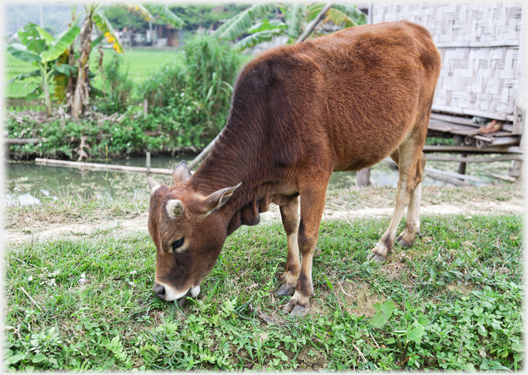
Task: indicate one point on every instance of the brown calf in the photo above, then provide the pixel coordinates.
(342, 102)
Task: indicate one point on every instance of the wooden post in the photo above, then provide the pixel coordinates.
(145, 107)
(363, 178)
(517, 166)
(148, 162)
(462, 165)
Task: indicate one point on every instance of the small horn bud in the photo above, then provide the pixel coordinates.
(153, 185)
(174, 208)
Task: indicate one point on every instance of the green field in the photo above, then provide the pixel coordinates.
(141, 63)
(457, 296)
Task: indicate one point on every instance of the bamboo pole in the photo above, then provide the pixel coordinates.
(501, 177)
(465, 149)
(204, 152)
(21, 141)
(314, 23)
(474, 160)
(101, 167)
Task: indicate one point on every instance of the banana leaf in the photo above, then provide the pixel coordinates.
(65, 69)
(165, 13)
(22, 53)
(352, 12)
(313, 10)
(44, 35)
(21, 77)
(30, 37)
(266, 24)
(236, 26)
(295, 20)
(60, 83)
(258, 37)
(97, 41)
(139, 10)
(108, 31)
(35, 93)
(339, 18)
(62, 42)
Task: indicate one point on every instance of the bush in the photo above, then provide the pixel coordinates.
(198, 92)
(188, 100)
(117, 87)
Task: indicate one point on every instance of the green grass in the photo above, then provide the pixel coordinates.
(464, 275)
(141, 64)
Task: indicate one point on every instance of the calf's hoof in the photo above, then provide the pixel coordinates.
(377, 258)
(285, 290)
(296, 310)
(403, 242)
(299, 311)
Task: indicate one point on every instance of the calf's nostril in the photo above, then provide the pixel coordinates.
(159, 290)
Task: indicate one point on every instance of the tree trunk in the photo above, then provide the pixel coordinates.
(80, 97)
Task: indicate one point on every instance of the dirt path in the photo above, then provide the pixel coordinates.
(120, 227)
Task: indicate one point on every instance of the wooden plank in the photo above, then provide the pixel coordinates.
(503, 141)
(473, 149)
(449, 179)
(440, 172)
(454, 119)
(505, 131)
(448, 127)
(101, 167)
(453, 174)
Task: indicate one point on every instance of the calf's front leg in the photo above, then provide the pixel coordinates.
(312, 206)
(290, 221)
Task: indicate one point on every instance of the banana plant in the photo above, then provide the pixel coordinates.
(95, 17)
(254, 21)
(44, 52)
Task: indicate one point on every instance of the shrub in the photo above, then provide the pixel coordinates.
(197, 91)
(117, 87)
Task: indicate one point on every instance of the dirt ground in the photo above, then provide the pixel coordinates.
(138, 224)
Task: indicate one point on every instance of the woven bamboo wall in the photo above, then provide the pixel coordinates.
(479, 44)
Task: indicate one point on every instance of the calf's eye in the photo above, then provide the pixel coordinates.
(177, 244)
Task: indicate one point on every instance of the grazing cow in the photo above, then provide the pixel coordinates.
(341, 102)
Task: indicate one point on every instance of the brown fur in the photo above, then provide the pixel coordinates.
(299, 112)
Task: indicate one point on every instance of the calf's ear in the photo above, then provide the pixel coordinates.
(217, 199)
(181, 173)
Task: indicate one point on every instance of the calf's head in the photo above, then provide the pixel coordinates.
(188, 230)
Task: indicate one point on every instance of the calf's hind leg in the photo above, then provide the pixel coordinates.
(290, 221)
(411, 171)
(412, 226)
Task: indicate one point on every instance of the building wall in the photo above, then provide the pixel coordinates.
(479, 44)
